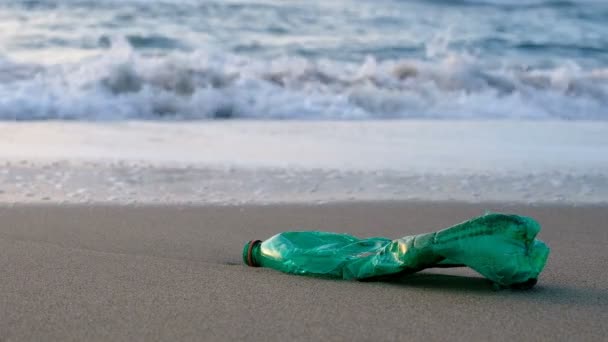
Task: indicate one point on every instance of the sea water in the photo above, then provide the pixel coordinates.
(312, 59)
(272, 101)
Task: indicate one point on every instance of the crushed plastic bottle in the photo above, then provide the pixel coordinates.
(500, 247)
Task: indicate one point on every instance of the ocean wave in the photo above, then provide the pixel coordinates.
(123, 83)
(237, 5)
(514, 3)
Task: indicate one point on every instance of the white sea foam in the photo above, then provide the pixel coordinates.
(236, 161)
(125, 84)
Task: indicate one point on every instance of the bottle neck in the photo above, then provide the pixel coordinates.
(251, 253)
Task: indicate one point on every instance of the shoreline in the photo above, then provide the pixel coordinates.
(285, 161)
(412, 146)
(130, 182)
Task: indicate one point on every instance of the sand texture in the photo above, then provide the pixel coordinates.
(126, 273)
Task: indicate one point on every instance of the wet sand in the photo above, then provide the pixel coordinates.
(126, 273)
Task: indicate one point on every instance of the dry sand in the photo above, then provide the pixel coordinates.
(175, 273)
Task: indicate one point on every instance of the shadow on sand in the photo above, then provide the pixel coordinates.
(542, 294)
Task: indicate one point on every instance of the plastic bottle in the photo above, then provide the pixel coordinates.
(500, 247)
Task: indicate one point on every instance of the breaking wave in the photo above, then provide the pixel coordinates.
(123, 83)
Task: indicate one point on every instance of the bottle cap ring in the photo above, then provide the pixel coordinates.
(249, 260)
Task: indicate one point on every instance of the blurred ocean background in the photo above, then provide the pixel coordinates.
(100, 60)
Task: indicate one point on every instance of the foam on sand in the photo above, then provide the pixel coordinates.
(240, 161)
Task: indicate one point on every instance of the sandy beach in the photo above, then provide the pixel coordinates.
(143, 143)
(134, 231)
(126, 273)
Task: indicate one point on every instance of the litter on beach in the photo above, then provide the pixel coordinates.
(503, 248)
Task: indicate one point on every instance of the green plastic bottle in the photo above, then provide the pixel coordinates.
(500, 247)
